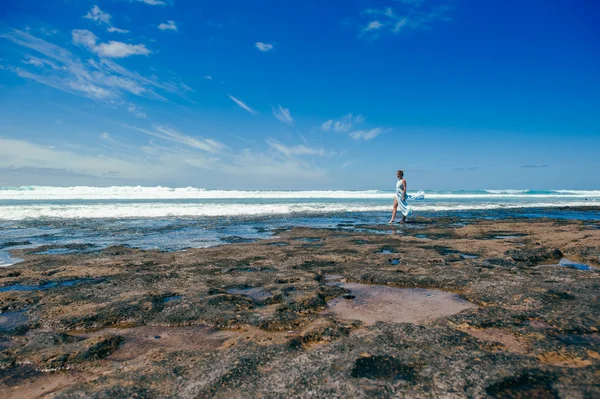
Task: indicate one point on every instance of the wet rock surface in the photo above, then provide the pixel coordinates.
(252, 319)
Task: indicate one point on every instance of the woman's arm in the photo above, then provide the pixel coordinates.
(404, 191)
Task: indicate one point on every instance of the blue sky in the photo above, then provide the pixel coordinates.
(461, 94)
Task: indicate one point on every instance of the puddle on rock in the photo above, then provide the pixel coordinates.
(18, 287)
(256, 293)
(7, 260)
(56, 251)
(171, 298)
(307, 239)
(468, 256)
(386, 251)
(11, 320)
(423, 236)
(509, 236)
(574, 265)
(278, 244)
(374, 303)
(395, 261)
(140, 340)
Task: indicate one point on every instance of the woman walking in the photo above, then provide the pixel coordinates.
(400, 198)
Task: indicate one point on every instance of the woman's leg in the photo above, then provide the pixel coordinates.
(394, 211)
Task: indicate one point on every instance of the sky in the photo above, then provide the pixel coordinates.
(235, 94)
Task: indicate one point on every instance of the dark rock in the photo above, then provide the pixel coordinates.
(533, 257)
(382, 367)
(530, 384)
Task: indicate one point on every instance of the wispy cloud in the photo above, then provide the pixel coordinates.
(471, 169)
(373, 25)
(112, 49)
(103, 79)
(137, 111)
(23, 155)
(535, 166)
(298, 150)
(152, 2)
(99, 16)
(208, 77)
(283, 114)
(169, 25)
(34, 61)
(242, 104)
(172, 135)
(176, 158)
(348, 124)
(117, 30)
(263, 46)
(342, 125)
(409, 14)
(366, 135)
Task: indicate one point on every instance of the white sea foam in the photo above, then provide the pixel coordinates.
(40, 193)
(158, 210)
(506, 191)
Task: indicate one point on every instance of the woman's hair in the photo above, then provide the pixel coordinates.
(401, 172)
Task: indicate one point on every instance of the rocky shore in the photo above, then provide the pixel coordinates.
(437, 308)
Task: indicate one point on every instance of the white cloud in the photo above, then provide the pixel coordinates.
(326, 126)
(153, 2)
(33, 61)
(99, 16)
(84, 37)
(242, 104)
(343, 125)
(263, 46)
(283, 114)
(21, 154)
(172, 135)
(396, 20)
(373, 25)
(180, 159)
(170, 25)
(399, 25)
(348, 124)
(208, 77)
(298, 150)
(366, 134)
(137, 111)
(112, 49)
(102, 79)
(117, 30)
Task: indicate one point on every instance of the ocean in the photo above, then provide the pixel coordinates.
(80, 219)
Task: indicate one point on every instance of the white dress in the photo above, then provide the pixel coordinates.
(402, 205)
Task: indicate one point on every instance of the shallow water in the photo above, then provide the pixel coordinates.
(178, 233)
(372, 303)
(172, 298)
(46, 286)
(10, 320)
(7, 260)
(256, 293)
(574, 265)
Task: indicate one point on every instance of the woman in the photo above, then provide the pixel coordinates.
(400, 198)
